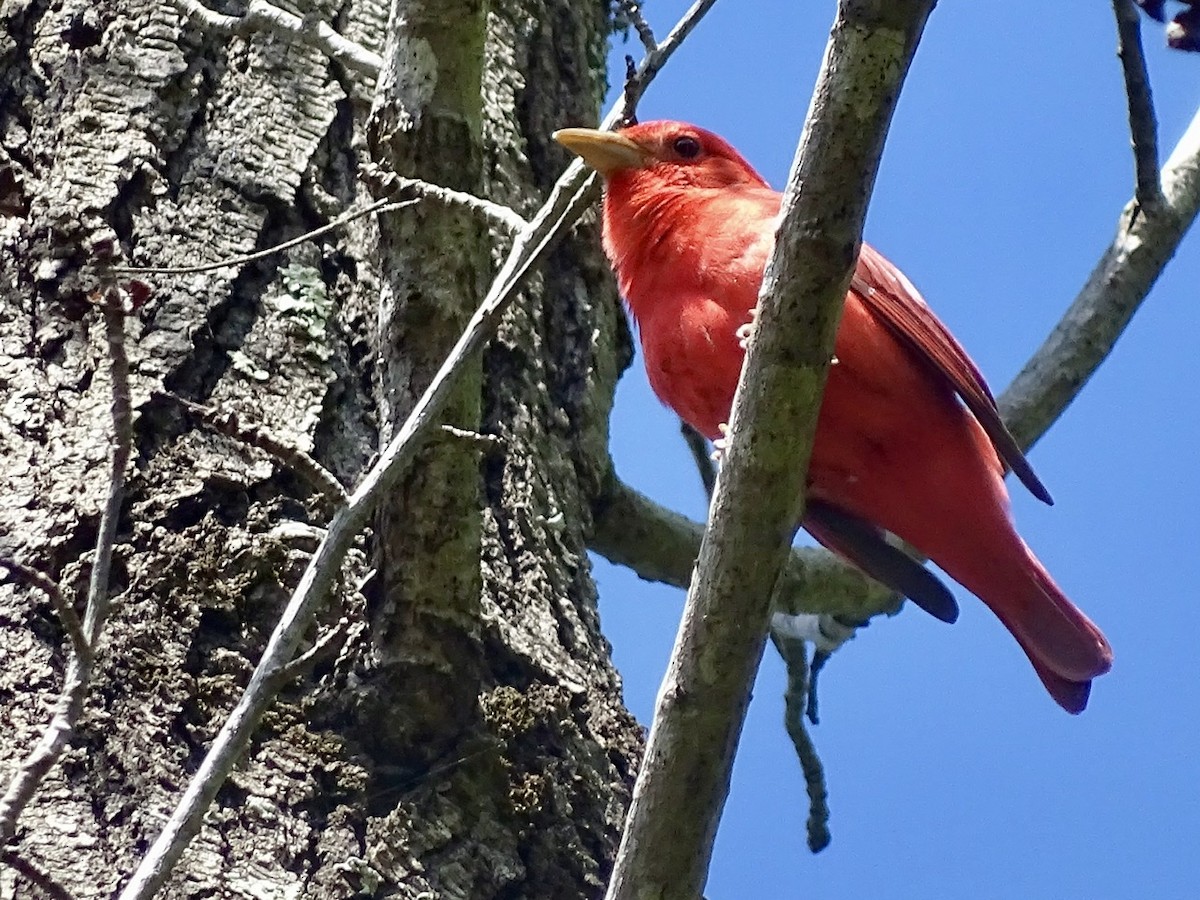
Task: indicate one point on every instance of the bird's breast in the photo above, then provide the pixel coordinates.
(693, 359)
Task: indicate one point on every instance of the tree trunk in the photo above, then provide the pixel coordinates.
(463, 735)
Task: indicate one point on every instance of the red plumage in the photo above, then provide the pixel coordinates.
(908, 439)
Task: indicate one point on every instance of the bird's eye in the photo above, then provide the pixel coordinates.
(686, 147)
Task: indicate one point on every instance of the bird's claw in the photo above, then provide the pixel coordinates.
(721, 444)
(746, 331)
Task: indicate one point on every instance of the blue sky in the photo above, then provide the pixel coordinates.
(951, 773)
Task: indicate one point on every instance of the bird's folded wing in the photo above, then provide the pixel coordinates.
(893, 298)
(865, 546)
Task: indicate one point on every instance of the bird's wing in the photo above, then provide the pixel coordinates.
(865, 546)
(893, 298)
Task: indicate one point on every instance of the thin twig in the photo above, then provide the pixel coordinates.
(485, 443)
(288, 455)
(387, 204)
(508, 219)
(797, 699)
(387, 183)
(496, 213)
(1143, 125)
(698, 447)
(263, 17)
(328, 643)
(48, 586)
(570, 196)
(685, 773)
(626, 107)
(820, 658)
(633, 12)
(69, 706)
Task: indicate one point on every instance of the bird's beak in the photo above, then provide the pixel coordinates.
(604, 151)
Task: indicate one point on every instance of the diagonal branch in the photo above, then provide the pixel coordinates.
(685, 773)
(384, 205)
(570, 196)
(631, 10)
(1089, 329)
(35, 876)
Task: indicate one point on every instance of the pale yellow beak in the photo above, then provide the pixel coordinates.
(604, 151)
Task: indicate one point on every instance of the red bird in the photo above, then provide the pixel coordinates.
(908, 440)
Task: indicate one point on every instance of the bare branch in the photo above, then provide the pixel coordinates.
(820, 658)
(69, 706)
(796, 699)
(382, 182)
(289, 456)
(632, 11)
(626, 107)
(387, 204)
(263, 16)
(685, 773)
(48, 586)
(1143, 126)
(631, 530)
(508, 219)
(1089, 329)
(570, 196)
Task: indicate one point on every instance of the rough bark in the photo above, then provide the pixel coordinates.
(467, 736)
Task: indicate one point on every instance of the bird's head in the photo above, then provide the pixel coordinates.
(664, 155)
(678, 201)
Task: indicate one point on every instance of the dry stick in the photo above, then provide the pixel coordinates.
(50, 587)
(387, 204)
(800, 698)
(685, 773)
(1143, 126)
(508, 219)
(69, 706)
(569, 197)
(504, 216)
(262, 16)
(286, 454)
(1146, 240)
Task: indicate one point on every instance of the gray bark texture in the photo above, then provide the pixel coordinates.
(463, 734)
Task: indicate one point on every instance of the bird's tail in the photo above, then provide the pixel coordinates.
(1066, 648)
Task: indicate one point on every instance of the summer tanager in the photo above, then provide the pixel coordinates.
(908, 439)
